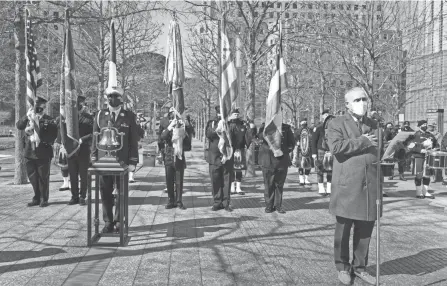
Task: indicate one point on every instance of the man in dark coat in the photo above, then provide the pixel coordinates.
(78, 163)
(352, 141)
(222, 174)
(423, 142)
(175, 164)
(274, 169)
(320, 153)
(125, 122)
(41, 132)
(243, 135)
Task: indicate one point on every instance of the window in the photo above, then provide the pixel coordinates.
(271, 15)
(56, 14)
(45, 13)
(256, 14)
(202, 30)
(364, 7)
(56, 27)
(333, 83)
(278, 5)
(340, 6)
(309, 6)
(333, 16)
(364, 17)
(379, 8)
(279, 15)
(385, 36)
(201, 41)
(329, 30)
(309, 16)
(378, 17)
(303, 15)
(325, 6)
(348, 7)
(356, 16)
(239, 14)
(341, 82)
(287, 15)
(350, 33)
(295, 6)
(295, 15)
(356, 7)
(333, 7)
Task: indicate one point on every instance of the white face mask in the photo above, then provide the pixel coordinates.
(359, 108)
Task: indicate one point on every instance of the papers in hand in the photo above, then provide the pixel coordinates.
(397, 143)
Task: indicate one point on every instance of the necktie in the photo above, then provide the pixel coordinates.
(113, 117)
(359, 123)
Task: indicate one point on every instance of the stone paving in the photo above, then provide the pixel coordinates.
(200, 247)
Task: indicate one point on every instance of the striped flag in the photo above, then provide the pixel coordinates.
(228, 95)
(33, 76)
(69, 101)
(273, 117)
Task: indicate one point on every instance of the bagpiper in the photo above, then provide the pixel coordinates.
(302, 154)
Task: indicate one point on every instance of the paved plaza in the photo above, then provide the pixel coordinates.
(47, 246)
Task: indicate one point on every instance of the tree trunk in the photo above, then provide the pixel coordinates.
(20, 176)
(250, 99)
(323, 94)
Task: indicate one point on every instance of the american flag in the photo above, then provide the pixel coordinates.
(33, 75)
(228, 95)
(273, 117)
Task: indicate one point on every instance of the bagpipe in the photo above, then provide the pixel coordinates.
(302, 151)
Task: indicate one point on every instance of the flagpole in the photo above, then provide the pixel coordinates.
(219, 52)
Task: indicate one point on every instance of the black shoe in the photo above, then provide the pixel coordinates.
(33, 203)
(170, 206)
(43, 204)
(131, 181)
(420, 197)
(269, 210)
(217, 207)
(108, 228)
(74, 201)
(64, 189)
(181, 206)
(82, 201)
(430, 197)
(385, 195)
(280, 210)
(301, 184)
(229, 208)
(401, 177)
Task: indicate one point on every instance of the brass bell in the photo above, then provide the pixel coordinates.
(108, 137)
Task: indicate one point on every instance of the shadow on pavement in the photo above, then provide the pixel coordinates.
(424, 262)
(10, 256)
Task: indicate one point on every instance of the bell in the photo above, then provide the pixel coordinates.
(109, 138)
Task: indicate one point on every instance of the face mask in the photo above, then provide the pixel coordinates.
(114, 101)
(359, 108)
(38, 109)
(424, 128)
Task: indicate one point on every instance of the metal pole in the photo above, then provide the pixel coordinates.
(219, 52)
(378, 202)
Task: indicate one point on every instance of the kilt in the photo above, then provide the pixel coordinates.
(240, 161)
(324, 162)
(421, 169)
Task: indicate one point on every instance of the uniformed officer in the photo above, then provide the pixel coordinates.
(124, 121)
(320, 149)
(222, 174)
(174, 158)
(241, 141)
(303, 161)
(38, 149)
(423, 142)
(274, 169)
(78, 163)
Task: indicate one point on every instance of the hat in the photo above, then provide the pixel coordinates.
(217, 108)
(41, 100)
(326, 111)
(406, 122)
(235, 110)
(421, 122)
(431, 124)
(114, 90)
(304, 121)
(112, 86)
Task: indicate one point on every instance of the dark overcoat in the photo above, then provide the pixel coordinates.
(354, 174)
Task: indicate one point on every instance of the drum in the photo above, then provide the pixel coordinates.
(387, 169)
(437, 160)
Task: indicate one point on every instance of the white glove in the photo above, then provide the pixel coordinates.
(423, 151)
(427, 143)
(80, 141)
(411, 145)
(314, 156)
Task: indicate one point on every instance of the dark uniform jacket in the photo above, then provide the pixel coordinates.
(266, 157)
(48, 133)
(317, 139)
(242, 135)
(125, 123)
(168, 154)
(388, 134)
(419, 137)
(85, 130)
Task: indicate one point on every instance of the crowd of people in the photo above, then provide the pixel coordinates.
(344, 147)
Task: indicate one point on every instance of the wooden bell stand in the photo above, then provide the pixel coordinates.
(108, 166)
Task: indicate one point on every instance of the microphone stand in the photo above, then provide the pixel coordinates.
(378, 200)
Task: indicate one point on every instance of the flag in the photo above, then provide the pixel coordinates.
(33, 75)
(174, 75)
(69, 100)
(228, 94)
(273, 118)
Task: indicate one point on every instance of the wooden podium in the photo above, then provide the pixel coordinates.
(108, 166)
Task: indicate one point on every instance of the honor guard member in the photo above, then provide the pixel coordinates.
(241, 141)
(177, 140)
(423, 142)
(41, 132)
(222, 174)
(78, 163)
(303, 157)
(322, 155)
(274, 169)
(125, 122)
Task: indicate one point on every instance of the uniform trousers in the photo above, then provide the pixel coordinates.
(221, 178)
(106, 187)
(238, 174)
(78, 167)
(174, 174)
(38, 171)
(362, 237)
(273, 186)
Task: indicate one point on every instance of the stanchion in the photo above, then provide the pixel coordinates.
(378, 200)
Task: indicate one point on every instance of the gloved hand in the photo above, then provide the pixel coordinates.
(314, 156)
